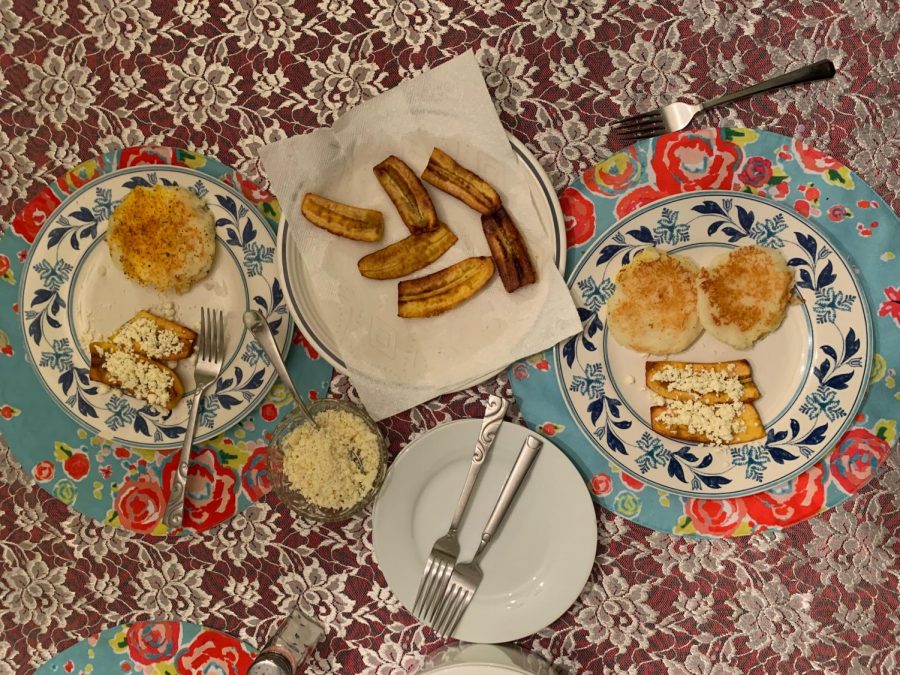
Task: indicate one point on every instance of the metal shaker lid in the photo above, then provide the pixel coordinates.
(269, 663)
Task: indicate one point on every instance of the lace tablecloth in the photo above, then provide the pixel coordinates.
(226, 78)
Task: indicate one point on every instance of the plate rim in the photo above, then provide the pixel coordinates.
(43, 232)
(576, 476)
(536, 171)
(588, 253)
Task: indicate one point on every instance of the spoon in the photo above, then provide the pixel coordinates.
(256, 323)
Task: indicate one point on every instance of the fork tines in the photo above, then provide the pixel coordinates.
(456, 601)
(639, 126)
(431, 589)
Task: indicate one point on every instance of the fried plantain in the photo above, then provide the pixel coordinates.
(508, 250)
(753, 427)
(446, 174)
(408, 194)
(741, 371)
(142, 377)
(142, 337)
(407, 255)
(442, 291)
(343, 220)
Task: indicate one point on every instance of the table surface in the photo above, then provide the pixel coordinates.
(820, 596)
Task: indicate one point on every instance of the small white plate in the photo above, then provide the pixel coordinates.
(539, 561)
(307, 309)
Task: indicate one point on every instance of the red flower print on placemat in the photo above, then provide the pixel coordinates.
(716, 517)
(891, 306)
(799, 498)
(579, 216)
(859, 453)
(214, 652)
(151, 642)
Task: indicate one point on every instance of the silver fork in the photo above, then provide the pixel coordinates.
(446, 549)
(677, 116)
(467, 576)
(210, 356)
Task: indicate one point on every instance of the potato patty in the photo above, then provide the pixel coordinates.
(163, 237)
(743, 295)
(654, 307)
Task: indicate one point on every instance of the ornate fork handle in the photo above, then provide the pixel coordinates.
(174, 514)
(493, 418)
(820, 70)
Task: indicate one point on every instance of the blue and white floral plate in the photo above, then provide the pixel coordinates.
(812, 371)
(71, 294)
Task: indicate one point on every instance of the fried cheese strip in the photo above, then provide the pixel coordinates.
(446, 174)
(407, 255)
(141, 377)
(753, 428)
(741, 371)
(508, 250)
(408, 194)
(341, 219)
(442, 291)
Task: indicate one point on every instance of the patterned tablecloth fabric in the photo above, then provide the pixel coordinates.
(224, 78)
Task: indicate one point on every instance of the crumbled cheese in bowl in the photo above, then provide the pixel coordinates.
(317, 461)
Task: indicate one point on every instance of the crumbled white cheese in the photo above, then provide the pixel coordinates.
(145, 379)
(629, 379)
(102, 388)
(317, 461)
(701, 381)
(718, 422)
(153, 342)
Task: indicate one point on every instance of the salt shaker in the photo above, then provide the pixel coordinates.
(289, 647)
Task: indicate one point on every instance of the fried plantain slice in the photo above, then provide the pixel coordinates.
(145, 334)
(407, 255)
(142, 377)
(341, 219)
(408, 194)
(753, 427)
(439, 292)
(741, 370)
(446, 174)
(508, 250)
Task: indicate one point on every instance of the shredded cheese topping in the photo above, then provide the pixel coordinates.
(156, 343)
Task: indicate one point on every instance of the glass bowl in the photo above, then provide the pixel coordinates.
(293, 497)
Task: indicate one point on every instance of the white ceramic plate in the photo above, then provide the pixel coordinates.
(538, 563)
(304, 307)
(812, 372)
(71, 293)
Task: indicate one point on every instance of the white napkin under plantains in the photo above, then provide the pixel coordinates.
(398, 363)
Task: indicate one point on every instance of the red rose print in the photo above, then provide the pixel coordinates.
(695, 160)
(145, 155)
(4, 264)
(857, 457)
(269, 412)
(312, 395)
(255, 474)
(22, 254)
(632, 482)
(122, 453)
(601, 484)
(799, 499)
(520, 371)
(43, 471)
(578, 212)
(77, 465)
(543, 364)
(69, 666)
(151, 642)
(815, 161)
(298, 339)
(837, 213)
(757, 172)
(211, 493)
(30, 219)
(716, 517)
(891, 306)
(251, 190)
(140, 503)
(7, 412)
(636, 199)
(214, 652)
(6, 350)
(801, 206)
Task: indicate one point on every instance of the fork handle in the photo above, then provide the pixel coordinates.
(174, 515)
(514, 480)
(820, 70)
(494, 413)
